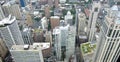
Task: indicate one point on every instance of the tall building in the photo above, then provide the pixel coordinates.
(26, 53)
(13, 9)
(57, 45)
(22, 3)
(81, 22)
(70, 44)
(64, 37)
(27, 36)
(47, 11)
(1, 13)
(92, 19)
(60, 34)
(69, 18)
(29, 20)
(0, 59)
(10, 32)
(108, 45)
(55, 21)
(44, 24)
(50, 3)
(56, 3)
(3, 49)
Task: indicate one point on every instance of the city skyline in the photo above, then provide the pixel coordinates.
(59, 31)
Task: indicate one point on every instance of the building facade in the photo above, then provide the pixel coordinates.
(3, 49)
(109, 39)
(92, 19)
(13, 9)
(69, 18)
(27, 36)
(81, 22)
(26, 53)
(10, 32)
(55, 21)
(1, 13)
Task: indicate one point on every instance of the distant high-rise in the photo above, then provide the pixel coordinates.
(47, 11)
(50, 3)
(1, 13)
(10, 32)
(60, 34)
(26, 53)
(22, 3)
(0, 59)
(29, 20)
(3, 49)
(62, 1)
(56, 3)
(69, 18)
(70, 44)
(44, 23)
(13, 9)
(55, 21)
(108, 45)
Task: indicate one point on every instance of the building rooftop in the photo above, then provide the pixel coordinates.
(42, 45)
(87, 48)
(25, 48)
(55, 17)
(34, 47)
(7, 21)
(114, 7)
(56, 31)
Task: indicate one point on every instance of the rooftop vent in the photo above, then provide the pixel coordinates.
(26, 47)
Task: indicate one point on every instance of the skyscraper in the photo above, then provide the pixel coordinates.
(47, 11)
(10, 32)
(13, 9)
(69, 18)
(22, 3)
(81, 22)
(55, 21)
(1, 13)
(56, 3)
(50, 3)
(3, 49)
(108, 45)
(92, 19)
(26, 53)
(29, 20)
(64, 42)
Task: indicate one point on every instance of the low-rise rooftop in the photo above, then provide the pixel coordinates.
(87, 48)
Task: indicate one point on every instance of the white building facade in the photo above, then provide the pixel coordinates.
(10, 32)
(108, 46)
